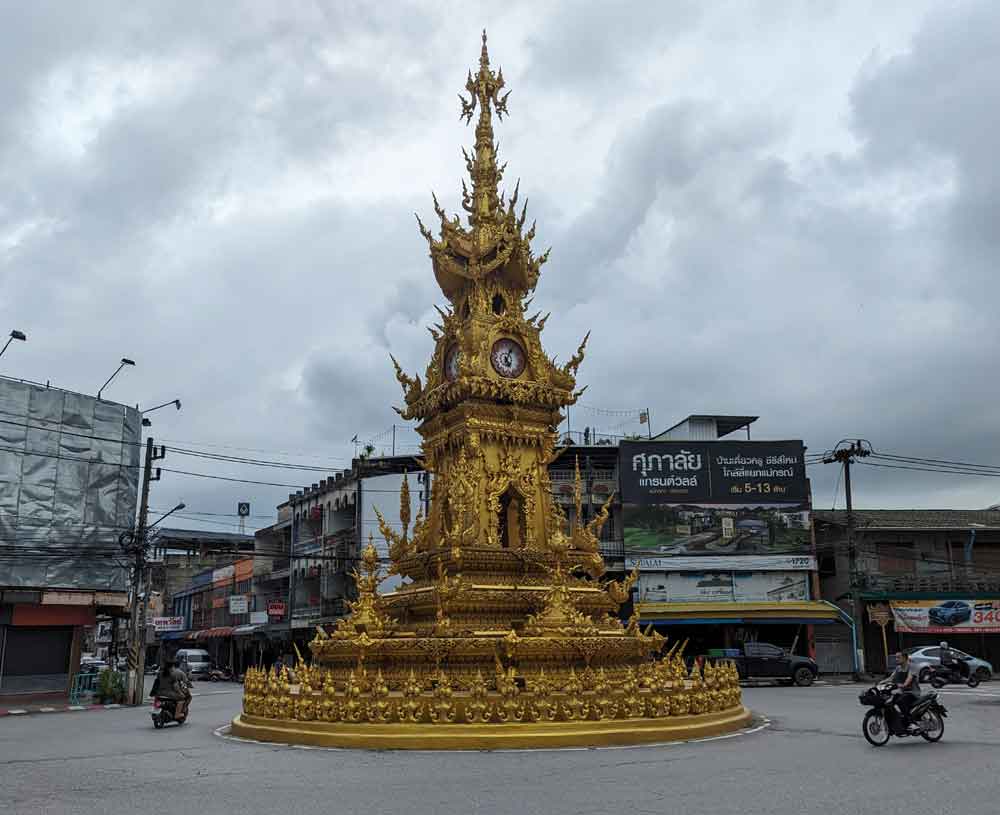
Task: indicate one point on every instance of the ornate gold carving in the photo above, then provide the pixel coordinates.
(501, 618)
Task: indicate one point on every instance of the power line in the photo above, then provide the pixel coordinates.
(931, 470)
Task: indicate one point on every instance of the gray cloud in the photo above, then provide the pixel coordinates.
(227, 197)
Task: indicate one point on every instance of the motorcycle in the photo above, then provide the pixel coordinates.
(884, 720)
(220, 675)
(941, 675)
(165, 711)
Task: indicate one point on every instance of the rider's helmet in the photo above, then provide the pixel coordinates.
(944, 645)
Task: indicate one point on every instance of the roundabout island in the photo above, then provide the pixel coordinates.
(505, 632)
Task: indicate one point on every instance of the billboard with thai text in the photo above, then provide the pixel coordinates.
(714, 498)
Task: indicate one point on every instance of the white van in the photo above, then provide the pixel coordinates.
(194, 662)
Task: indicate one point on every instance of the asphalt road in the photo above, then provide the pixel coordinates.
(811, 759)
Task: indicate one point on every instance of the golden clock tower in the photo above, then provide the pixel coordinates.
(503, 633)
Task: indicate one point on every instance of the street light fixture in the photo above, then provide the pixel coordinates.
(14, 335)
(125, 361)
(177, 508)
(146, 422)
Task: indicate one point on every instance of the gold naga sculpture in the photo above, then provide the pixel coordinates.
(503, 633)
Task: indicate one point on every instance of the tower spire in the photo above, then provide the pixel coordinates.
(484, 90)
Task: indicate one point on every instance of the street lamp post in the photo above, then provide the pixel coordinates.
(14, 335)
(146, 422)
(125, 361)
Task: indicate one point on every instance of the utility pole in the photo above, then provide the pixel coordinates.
(394, 440)
(845, 453)
(137, 627)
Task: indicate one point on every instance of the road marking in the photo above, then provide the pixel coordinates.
(16, 712)
(47, 710)
(225, 732)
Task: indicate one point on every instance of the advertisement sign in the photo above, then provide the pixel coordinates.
(238, 604)
(733, 472)
(701, 563)
(161, 624)
(946, 616)
(276, 608)
(714, 498)
(258, 618)
(728, 586)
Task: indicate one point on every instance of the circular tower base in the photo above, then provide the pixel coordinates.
(488, 736)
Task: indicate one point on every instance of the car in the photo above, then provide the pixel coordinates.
(195, 662)
(950, 612)
(763, 660)
(926, 657)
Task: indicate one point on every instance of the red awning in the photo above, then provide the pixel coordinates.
(211, 633)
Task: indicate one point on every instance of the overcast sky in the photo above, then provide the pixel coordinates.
(781, 209)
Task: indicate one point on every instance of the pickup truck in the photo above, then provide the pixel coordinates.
(760, 660)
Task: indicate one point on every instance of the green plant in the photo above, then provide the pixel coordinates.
(110, 686)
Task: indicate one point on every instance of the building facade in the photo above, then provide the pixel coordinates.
(69, 474)
(719, 529)
(923, 575)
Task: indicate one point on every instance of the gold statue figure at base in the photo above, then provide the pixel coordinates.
(503, 633)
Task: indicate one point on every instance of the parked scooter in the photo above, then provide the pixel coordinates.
(220, 675)
(941, 675)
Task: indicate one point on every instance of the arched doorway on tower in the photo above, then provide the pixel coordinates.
(511, 523)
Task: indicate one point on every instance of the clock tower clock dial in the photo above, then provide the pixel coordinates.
(508, 358)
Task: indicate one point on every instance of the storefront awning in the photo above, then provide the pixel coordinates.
(211, 633)
(176, 635)
(244, 630)
(800, 611)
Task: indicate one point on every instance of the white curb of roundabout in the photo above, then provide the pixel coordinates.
(760, 723)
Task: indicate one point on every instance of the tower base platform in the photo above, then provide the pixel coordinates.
(523, 735)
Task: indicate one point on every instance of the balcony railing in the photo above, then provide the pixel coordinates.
(972, 584)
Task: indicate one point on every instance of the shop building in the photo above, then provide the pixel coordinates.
(923, 575)
(69, 478)
(719, 529)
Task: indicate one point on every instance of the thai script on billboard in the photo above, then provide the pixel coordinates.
(687, 499)
(168, 624)
(721, 472)
(700, 563)
(964, 616)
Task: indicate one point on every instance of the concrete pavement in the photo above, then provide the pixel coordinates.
(812, 759)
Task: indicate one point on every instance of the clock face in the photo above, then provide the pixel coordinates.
(451, 359)
(507, 358)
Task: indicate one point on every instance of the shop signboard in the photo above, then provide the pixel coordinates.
(728, 586)
(701, 563)
(276, 608)
(238, 604)
(714, 498)
(258, 618)
(961, 616)
(162, 624)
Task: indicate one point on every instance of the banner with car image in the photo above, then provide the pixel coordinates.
(946, 616)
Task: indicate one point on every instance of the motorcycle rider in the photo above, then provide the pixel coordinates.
(909, 691)
(951, 664)
(172, 683)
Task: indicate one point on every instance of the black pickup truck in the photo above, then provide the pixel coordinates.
(760, 660)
